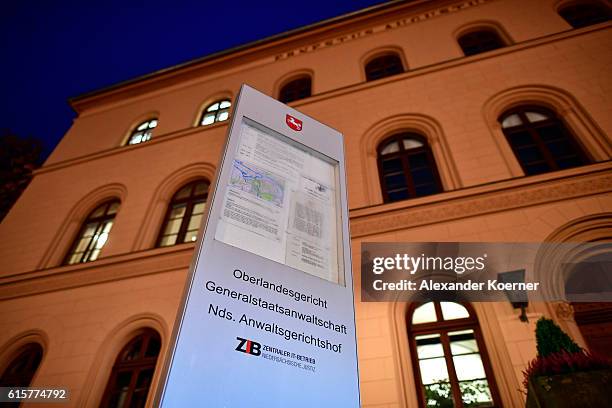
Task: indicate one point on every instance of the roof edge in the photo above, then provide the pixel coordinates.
(190, 63)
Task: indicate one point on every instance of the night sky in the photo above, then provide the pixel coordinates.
(53, 50)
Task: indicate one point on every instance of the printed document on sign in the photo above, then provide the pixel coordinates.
(280, 203)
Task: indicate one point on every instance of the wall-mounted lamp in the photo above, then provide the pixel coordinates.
(518, 298)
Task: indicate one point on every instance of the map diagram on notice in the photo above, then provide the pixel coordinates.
(259, 183)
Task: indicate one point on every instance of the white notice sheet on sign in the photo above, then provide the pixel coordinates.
(281, 203)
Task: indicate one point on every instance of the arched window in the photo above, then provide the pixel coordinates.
(383, 66)
(479, 41)
(93, 234)
(142, 132)
(130, 379)
(407, 168)
(540, 140)
(216, 112)
(298, 88)
(184, 214)
(585, 13)
(449, 357)
(21, 369)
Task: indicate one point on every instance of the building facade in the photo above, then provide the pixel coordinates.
(469, 120)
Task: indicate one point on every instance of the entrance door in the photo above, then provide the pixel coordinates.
(595, 323)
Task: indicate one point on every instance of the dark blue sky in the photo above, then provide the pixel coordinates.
(52, 49)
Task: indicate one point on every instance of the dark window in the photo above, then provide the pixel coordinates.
(476, 42)
(93, 234)
(142, 132)
(383, 66)
(450, 361)
(584, 14)
(130, 379)
(21, 369)
(184, 214)
(216, 112)
(407, 168)
(293, 90)
(540, 140)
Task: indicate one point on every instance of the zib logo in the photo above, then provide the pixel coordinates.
(293, 123)
(248, 346)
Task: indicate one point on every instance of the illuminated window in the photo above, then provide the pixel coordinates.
(584, 14)
(184, 214)
(130, 380)
(21, 369)
(450, 362)
(540, 140)
(94, 234)
(476, 42)
(295, 89)
(216, 112)
(383, 66)
(407, 168)
(142, 132)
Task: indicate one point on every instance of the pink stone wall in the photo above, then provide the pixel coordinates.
(84, 310)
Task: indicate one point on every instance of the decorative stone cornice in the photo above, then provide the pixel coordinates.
(152, 261)
(474, 201)
(386, 26)
(467, 202)
(330, 32)
(335, 93)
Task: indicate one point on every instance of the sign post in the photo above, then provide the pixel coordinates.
(267, 319)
